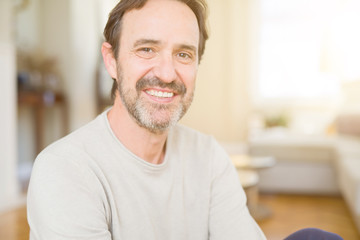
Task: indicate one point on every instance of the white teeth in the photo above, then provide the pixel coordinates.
(160, 94)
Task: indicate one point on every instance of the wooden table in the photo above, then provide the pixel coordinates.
(39, 101)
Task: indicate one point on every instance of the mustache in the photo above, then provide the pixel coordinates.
(176, 86)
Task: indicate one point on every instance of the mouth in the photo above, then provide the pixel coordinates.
(160, 93)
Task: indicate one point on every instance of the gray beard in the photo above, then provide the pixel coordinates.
(144, 112)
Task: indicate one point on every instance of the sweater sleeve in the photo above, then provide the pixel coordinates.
(65, 201)
(229, 216)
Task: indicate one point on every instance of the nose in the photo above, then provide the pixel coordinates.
(165, 68)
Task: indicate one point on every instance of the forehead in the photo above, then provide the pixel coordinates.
(163, 20)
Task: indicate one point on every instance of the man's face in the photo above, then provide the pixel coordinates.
(157, 63)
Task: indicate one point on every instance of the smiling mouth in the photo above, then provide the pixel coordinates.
(160, 94)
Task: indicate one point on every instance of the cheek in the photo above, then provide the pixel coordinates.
(135, 69)
(131, 74)
(188, 76)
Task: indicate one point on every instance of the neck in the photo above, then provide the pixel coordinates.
(140, 141)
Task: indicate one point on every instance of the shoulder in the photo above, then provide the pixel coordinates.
(69, 157)
(65, 170)
(77, 142)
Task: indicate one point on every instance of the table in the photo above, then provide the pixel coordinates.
(242, 161)
(39, 101)
(245, 166)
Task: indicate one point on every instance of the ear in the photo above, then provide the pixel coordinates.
(109, 59)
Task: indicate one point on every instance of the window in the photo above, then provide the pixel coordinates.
(306, 48)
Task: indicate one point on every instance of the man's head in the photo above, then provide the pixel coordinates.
(152, 51)
(113, 27)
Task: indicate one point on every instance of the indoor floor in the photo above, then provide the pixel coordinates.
(289, 213)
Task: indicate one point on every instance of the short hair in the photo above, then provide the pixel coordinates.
(112, 30)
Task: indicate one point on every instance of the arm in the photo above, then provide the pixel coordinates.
(229, 215)
(65, 201)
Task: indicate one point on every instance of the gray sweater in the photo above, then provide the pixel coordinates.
(89, 186)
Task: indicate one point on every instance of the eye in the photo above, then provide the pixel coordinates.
(145, 52)
(185, 57)
(145, 49)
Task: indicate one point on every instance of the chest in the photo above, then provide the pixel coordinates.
(169, 204)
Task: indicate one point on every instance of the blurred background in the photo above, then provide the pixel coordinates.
(279, 78)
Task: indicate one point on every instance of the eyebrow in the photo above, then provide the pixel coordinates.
(188, 47)
(145, 41)
(157, 42)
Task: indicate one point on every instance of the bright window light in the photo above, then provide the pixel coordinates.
(302, 49)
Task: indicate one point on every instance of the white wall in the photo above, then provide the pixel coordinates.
(27, 28)
(84, 52)
(70, 32)
(221, 103)
(351, 102)
(9, 189)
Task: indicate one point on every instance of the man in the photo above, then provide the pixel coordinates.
(132, 173)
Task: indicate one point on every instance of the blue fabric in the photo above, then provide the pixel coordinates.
(313, 234)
